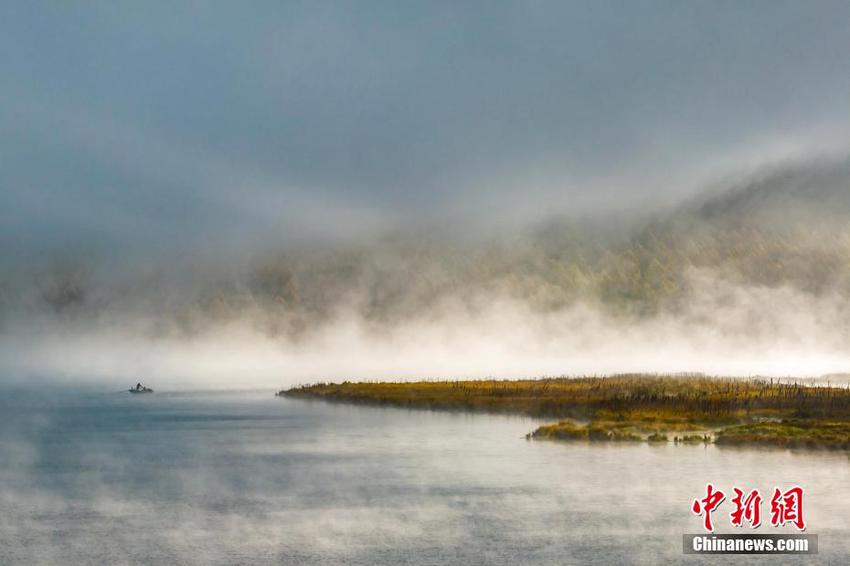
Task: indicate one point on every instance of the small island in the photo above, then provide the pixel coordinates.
(683, 409)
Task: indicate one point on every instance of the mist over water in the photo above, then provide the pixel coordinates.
(753, 279)
(222, 478)
(730, 331)
(207, 198)
(745, 299)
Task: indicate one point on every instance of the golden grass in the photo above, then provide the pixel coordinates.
(630, 407)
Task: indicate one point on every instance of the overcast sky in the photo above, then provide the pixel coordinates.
(147, 125)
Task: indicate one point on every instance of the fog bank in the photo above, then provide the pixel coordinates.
(726, 330)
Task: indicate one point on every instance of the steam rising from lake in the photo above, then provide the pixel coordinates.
(247, 478)
(727, 330)
(753, 280)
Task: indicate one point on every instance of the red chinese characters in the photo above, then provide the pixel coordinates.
(746, 508)
(706, 505)
(787, 507)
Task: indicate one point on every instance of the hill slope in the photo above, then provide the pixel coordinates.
(788, 228)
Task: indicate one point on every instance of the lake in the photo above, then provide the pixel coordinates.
(249, 478)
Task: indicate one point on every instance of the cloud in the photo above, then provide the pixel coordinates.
(169, 127)
(156, 151)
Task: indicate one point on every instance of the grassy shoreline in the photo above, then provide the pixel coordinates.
(630, 408)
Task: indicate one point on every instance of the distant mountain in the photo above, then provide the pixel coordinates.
(787, 227)
(821, 187)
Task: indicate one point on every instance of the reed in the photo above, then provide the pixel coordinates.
(630, 407)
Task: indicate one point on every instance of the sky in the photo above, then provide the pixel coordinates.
(146, 127)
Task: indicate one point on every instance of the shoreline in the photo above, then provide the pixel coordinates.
(630, 408)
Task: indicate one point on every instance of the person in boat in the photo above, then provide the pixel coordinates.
(138, 387)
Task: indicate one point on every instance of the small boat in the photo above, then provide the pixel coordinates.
(139, 388)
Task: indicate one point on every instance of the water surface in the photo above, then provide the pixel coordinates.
(226, 478)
